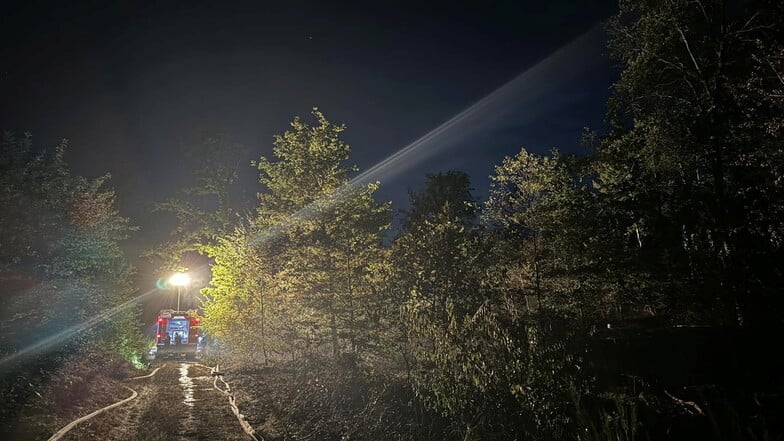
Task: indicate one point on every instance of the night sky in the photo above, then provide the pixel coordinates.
(128, 83)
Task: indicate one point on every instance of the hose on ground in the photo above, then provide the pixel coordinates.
(59, 434)
(67, 428)
(217, 375)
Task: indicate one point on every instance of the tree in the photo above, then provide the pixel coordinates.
(451, 189)
(694, 174)
(64, 232)
(242, 291)
(203, 209)
(437, 263)
(474, 354)
(561, 254)
(323, 233)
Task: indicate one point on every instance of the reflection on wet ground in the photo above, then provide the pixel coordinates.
(187, 384)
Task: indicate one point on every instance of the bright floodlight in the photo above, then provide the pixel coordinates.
(180, 279)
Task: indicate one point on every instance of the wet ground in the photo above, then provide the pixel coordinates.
(178, 403)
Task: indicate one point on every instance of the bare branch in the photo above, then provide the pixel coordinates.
(693, 89)
(702, 8)
(677, 66)
(748, 22)
(686, 404)
(693, 60)
(688, 49)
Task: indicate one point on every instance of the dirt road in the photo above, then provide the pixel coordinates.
(178, 403)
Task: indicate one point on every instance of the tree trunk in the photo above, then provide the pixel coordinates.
(334, 329)
(261, 325)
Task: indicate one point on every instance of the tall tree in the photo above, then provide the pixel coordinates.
(325, 236)
(545, 212)
(63, 232)
(694, 161)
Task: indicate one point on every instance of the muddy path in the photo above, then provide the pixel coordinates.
(178, 403)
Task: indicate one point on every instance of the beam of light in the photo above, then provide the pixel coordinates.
(67, 334)
(580, 55)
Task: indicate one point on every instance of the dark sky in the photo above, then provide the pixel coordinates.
(127, 83)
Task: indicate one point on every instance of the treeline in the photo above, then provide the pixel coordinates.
(675, 216)
(61, 266)
(60, 258)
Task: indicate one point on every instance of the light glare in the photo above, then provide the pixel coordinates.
(180, 279)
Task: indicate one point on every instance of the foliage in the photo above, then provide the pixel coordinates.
(449, 191)
(203, 209)
(672, 217)
(696, 174)
(60, 237)
(305, 256)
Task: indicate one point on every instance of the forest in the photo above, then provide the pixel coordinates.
(630, 291)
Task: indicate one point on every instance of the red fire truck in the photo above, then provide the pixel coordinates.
(178, 334)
